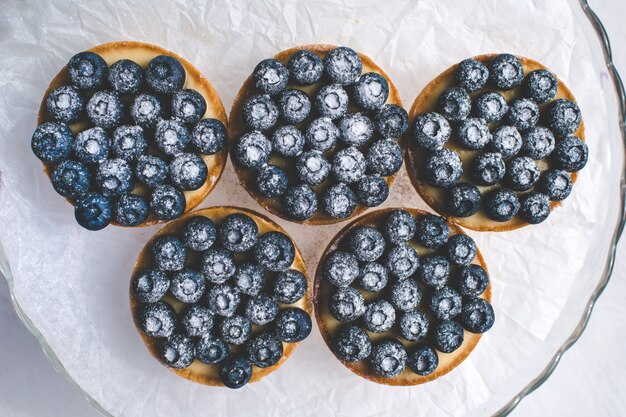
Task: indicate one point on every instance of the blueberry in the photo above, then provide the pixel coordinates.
(271, 181)
(199, 233)
(71, 179)
(384, 157)
(167, 203)
(288, 141)
(211, 349)
(126, 76)
(540, 86)
(208, 136)
(488, 168)
(471, 74)
(299, 202)
(405, 295)
(52, 142)
(521, 173)
(340, 268)
(461, 249)
(463, 200)
(343, 65)
(289, 286)
(249, 278)
(352, 344)
(235, 330)
(253, 150)
(223, 300)
(563, 117)
(432, 231)
(538, 142)
(388, 358)
(391, 121)
(270, 76)
(535, 207)
(129, 142)
(331, 101)
(197, 320)
(188, 171)
(431, 131)
(570, 154)
(379, 316)
(356, 129)
(171, 137)
(556, 184)
(305, 67)
(177, 351)
(443, 168)
(477, 316)
(501, 205)
(346, 304)
(338, 201)
(491, 106)
(448, 336)
(293, 325)
(473, 134)
(105, 109)
(87, 70)
(150, 285)
(274, 251)
(261, 309)
(349, 165)
(65, 104)
(165, 74)
(370, 91)
(169, 253)
(265, 349)
(93, 211)
(312, 168)
(445, 303)
(523, 114)
(373, 277)
(188, 106)
(322, 134)
(454, 104)
(434, 270)
(131, 210)
(423, 360)
(187, 286)
(366, 243)
(235, 371)
(114, 177)
(260, 112)
(471, 280)
(505, 72)
(413, 325)
(401, 261)
(146, 110)
(91, 146)
(218, 265)
(507, 141)
(157, 319)
(371, 190)
(399, 227)
(151, 170)
(294, 105)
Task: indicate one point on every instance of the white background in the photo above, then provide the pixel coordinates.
(590, 380)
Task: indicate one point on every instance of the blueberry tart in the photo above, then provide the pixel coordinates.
(411, 312)
(221, 296)
(317, 134)
(131, 134)
(495, 143)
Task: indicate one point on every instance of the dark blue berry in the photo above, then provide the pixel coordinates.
(535, 207)
(146, 110)
(260, 112)
(169, 253)
(150, 285)
(340, 268)
(188, 106)
(477, 316)
(331, 101)
(131, 210)
(521, 173)
(556, 184)
(491, 106)
(505, 72)
(488, 168)
(413, 325)
(93, 211)
(471, 74)
(289, 286)
(312, 168)
(461, 249)
(343, 65)
(405, 295)
(52, 142)
(431, 131)
(338, 201)
(299, 202)
(563, 117)
(197, 320)
(211, 349)
(274, 251)
(235, 330)
(87, 70)
(501, 205)
(114, 177)
(167, 203)
(356, 129)
(199, 233)
(165, 74)
(187, 286)
(270, 76)
(346, 304)
(151, 170)
(349, 165)
(391, 121)
(292, 325)
(570, 154)
(366, 243)
(322, 134)
(401, 261)
(265, 350)
(294, 105)
(188, 171)
(399, 227)
(126, 76)
(352, 344)
(71, 179)
(305, 67)
(384, 157)
(208, 136)
(370, 91)
(388, 358)
(91, 146)
(249, 278)
(523, 114)
(371, 190)
(538, 142)
(218, 265)
(65, 104)
(445, 303)
(432, 231)
(379, 316)
(454, 104)
(471, 280)
(171, 137)
(223, 300)
(448, 336)
(434, 270)
(463, 200)
(443, 168)
(373, 277)
(129, 142)
(288, 141)
(238, 232)
(423, 360)
(157, 319)
(507, 141)
(105, 109)
(177, 351)
(473, 134)
(235, 371)
(271, 181)
(253, 150)
(540, 85)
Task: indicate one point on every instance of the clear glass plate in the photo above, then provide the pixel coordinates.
(70, 286)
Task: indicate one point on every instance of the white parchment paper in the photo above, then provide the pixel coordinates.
(73, 284)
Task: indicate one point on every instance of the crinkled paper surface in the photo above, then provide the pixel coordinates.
(73, 284)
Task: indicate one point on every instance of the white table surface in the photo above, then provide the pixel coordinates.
(590, 380)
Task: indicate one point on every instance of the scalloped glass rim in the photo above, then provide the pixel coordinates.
(595, 25)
